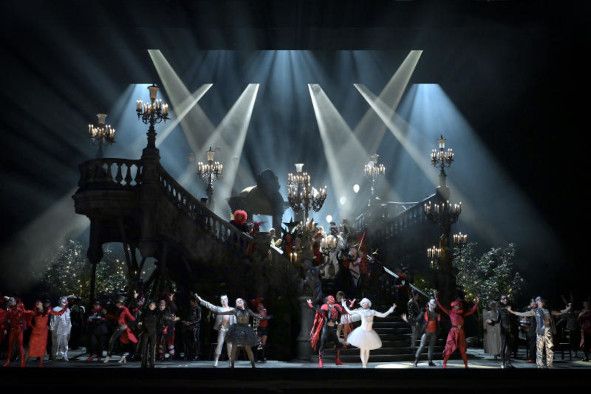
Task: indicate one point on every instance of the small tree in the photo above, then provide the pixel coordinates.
(68, 272)
(489, 275)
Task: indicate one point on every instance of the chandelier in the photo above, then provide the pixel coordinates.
(444, 214)
(101, 133)
(210, 172)
(373, 170)
(301, 196)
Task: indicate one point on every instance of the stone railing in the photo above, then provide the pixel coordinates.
(387, 226)
(203, 217)
(110, 174)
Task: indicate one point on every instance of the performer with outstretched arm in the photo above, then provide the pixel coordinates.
(428, 329)
(240, 333)
(456, 338)
(364, 337)
(222, 325)
(324, 328)
(545, 330)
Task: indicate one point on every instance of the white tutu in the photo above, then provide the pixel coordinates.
(364, 339)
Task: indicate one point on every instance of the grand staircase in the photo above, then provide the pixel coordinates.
(395, 336)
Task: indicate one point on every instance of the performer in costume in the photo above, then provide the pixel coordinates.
(492, 331)
(61, 327)
(584, 319)
(191, 330)
(123, 333)
(97, 331)
(240, 334)
(222, 325)
(364, 337)
(261, 328)
(150, 324)
(345, 327)
(506, 322)
(456, 338)
(17, 318)
(38, 339)
(324, 328)
(545, 330)
(428, 328)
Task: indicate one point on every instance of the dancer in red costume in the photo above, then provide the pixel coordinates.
(38, 339)
(123, 333)
(325, 326)
(456, 339)
(17, 318)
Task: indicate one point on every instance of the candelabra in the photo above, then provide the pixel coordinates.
(460, 240)
(372, 170)
(442, 158)
(302, 197)
(445, 214)
(434, 253)
(210, 172)
(101, 134)
(151, 113)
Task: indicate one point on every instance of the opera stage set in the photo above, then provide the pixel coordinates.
(360, 179)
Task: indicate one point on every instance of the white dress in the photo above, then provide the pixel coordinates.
(364, 336)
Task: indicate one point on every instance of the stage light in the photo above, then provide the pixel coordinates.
(355, 188)
(328, 219)
(342, 200)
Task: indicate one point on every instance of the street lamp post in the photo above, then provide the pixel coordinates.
(210, 172)
(301, 196)
(101, 134)
(151, 113)
(441, 158)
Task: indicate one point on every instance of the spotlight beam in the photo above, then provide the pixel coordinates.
(398, 127)
(195, 124)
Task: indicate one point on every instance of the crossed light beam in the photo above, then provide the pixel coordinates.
(348, 150)
(228, 136)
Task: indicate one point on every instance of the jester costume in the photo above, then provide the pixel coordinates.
(324, 328)
(456, 338)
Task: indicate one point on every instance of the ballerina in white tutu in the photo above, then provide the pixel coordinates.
(364, 337)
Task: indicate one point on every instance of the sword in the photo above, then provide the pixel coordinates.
(390, 272)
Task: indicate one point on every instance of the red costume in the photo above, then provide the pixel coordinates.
(124, 317)
(324, 328)
(456, 339)
(38, 340)
(18, 318)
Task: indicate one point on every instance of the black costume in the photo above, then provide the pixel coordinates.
(508, 324)
(191, 330)
(241, 333)
(151, 324)
(97, 332)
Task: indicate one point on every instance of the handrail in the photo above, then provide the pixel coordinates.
(110, 173)
(390, 226)
(218, 227)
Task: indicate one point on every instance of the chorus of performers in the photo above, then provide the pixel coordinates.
(150, 331)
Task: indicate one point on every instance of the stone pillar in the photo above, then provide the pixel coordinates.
(149, 194)
(306, 320)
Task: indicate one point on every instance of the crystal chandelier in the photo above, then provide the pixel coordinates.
(101, 133)
(210, 172)
(373, 170)
(302, 197)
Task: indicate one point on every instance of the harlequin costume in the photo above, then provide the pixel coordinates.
(456, 338)
(324, 329)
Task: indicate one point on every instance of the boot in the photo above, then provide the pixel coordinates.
(252, 364)
(416, 363)
(337, 360)
(320, 363)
